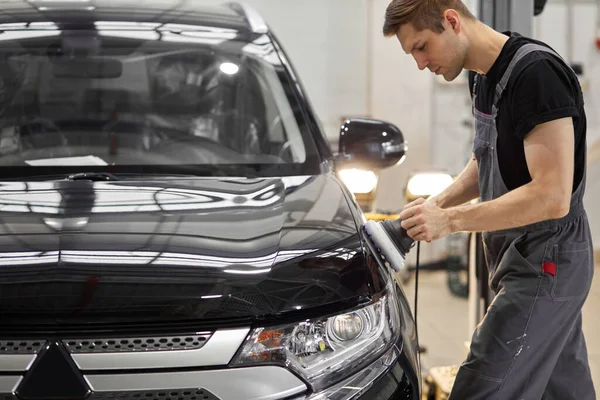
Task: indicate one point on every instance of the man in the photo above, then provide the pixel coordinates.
(528, 169)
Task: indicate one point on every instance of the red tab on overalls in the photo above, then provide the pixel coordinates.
(549, 267)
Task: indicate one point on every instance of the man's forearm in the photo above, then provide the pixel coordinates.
(465, 188)
(523, 206)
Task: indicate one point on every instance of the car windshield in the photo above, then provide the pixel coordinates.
(149, 97)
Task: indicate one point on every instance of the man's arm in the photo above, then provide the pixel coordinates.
(464, 188)
(549, 150)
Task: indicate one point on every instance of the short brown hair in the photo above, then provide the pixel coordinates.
(423, 14)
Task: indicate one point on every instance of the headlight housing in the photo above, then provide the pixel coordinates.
(326, 350)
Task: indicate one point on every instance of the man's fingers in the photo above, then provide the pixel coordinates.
(422, 237)
(416, 231)
(418, 201)
(410, 212)
(411, 222)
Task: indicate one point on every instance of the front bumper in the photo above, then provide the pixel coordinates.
(389, 377)
(160, 367)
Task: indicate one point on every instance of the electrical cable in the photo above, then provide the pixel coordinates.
(416, 297)
(417, 281)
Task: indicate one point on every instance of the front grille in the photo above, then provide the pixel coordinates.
(20, 346)
(133, 344)
(171, 394)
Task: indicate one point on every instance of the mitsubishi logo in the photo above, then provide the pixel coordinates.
(53, 375)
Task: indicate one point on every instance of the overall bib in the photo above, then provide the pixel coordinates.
(530, 343)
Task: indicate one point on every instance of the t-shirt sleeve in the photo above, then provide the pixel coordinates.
(542, 92)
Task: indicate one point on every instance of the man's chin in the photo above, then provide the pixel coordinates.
(450, 76)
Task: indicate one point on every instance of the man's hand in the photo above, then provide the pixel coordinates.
(425, 221)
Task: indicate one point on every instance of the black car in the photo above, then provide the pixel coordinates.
(172, 223)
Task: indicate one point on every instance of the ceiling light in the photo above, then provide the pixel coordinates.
(428, 184)
(358, 180)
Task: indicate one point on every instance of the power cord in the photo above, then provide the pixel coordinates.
(419, 348)
(417, 282)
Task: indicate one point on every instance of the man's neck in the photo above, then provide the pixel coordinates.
(485, 45)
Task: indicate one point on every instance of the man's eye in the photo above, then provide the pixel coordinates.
(422, 48)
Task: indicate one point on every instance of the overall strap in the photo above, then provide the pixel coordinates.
(519, 55)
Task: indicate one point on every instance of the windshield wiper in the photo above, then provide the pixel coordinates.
(92, 176)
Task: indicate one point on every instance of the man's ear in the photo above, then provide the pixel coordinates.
(452, 19)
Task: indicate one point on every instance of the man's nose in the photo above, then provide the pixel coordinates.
(422, 62)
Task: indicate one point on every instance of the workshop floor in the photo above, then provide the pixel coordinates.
(444, 326)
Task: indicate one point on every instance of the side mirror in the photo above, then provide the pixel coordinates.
(538, 7)
(370, 144)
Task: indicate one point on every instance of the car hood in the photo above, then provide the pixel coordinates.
(75, 252)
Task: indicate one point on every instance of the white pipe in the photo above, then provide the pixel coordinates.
(370, 44)
(570, 34)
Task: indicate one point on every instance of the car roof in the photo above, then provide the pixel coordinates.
(79, 14)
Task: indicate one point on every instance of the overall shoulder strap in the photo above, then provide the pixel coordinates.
(519, 55)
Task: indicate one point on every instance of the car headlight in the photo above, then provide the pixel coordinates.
(325, 350)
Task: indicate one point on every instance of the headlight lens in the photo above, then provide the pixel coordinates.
(326, 350)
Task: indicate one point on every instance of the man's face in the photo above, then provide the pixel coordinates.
(443, 54)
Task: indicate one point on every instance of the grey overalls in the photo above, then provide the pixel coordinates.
(530, 343)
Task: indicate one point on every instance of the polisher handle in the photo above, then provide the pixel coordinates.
(399, 235)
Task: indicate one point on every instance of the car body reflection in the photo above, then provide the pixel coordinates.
(253, 246)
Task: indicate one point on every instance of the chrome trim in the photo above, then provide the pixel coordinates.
(16, 362)
(252, 383)
(8, 384)
(256, 21)
(219, 350)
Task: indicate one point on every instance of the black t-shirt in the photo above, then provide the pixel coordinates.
(542, 88)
